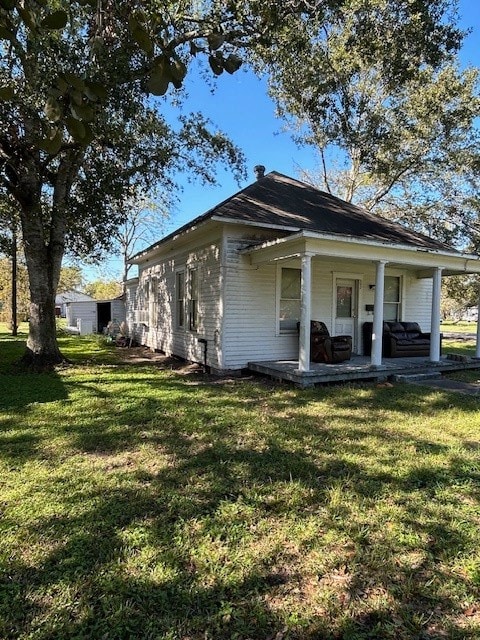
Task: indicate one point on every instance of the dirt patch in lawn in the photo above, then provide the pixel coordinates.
(144, 355)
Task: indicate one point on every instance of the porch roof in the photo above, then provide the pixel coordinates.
(418, 258)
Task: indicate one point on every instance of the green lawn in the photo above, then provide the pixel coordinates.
(137, 502)
(459, 327)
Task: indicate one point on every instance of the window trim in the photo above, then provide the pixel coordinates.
(193, 301)
(180, 302)
(280, 330)
(183, 320)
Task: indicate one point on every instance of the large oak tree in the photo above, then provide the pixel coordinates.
(79, 128)
(408, 149)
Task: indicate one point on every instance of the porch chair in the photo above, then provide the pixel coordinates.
(327, 348)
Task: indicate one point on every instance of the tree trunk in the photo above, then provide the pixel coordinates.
(43, 264)
(44, 232)
(14, 281)
(42, 350)
(44, 259)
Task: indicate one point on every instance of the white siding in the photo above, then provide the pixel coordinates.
(237, 302)
(82, 311)
(251, 329)
(418, 302)
(154, 323)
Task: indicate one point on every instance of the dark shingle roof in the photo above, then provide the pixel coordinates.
(279, 201)
(282, 201)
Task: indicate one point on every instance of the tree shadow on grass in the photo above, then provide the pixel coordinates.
(175, 591)
(170, 595)
(20, 437)
(188, 547)
(19, 391)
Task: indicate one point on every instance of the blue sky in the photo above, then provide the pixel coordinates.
(241, 108)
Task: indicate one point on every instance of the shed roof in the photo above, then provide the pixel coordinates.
(279, 201)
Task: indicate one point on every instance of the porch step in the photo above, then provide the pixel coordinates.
(414, 377)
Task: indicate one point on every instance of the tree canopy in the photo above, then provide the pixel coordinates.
(144, 222)
(83, 83)
(103, 289)
(408, 149)
(71, 277)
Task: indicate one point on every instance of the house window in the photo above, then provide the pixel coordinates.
(391, 300)
(143, 302)
(180, 298)
(153, 302)
(290, 286)
(193, 300)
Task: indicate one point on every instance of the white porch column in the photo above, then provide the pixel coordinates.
(435, 324)
(377, 330)
(477, 349)
(305, 313)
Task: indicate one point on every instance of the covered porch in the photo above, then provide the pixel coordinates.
(420, 263)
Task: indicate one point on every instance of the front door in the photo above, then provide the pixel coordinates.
(346, 309)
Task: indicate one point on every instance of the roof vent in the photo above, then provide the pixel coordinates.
(259, 171)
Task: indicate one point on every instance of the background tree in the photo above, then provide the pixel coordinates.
(458, 294)
(144, 222)
(78, 130)
(103, 289)
(71, 277)
(9, 246)
(22, 298)
(407, 150)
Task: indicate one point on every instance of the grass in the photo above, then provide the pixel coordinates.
(139, 502)
(459, 327)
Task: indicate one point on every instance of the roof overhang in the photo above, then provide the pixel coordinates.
(184, 233)
(357, 249)
(165, 244)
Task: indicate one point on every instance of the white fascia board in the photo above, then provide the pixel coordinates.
(268, 244)
(345, 248)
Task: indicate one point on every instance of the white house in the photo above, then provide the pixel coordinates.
(229, 287)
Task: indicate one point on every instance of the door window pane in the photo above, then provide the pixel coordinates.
(344, 301)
